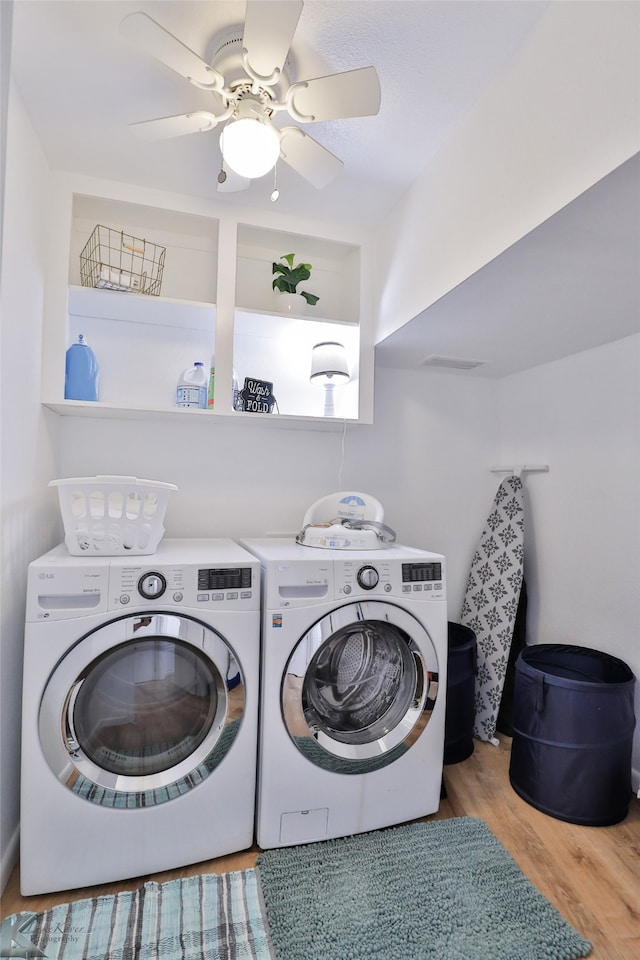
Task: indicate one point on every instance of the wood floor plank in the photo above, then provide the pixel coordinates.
(590, 874)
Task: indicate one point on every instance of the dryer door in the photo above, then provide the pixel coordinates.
(141, 710)
(360, 687)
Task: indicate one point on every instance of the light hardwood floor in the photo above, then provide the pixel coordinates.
(591, 874)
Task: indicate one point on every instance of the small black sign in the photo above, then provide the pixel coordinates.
(257, 396)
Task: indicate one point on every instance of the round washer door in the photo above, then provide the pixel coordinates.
(360, 687)
(141, 710)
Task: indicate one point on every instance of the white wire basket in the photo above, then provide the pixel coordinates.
(114, 260)
(112, 516)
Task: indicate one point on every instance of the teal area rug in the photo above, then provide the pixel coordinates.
(444, 890)
(211, 917)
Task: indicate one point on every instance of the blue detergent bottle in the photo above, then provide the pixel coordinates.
(81, 372)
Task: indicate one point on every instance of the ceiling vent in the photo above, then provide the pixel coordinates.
(451, 363)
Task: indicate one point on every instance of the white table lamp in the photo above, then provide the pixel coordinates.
(329, 367)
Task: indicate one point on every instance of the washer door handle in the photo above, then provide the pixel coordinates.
(419, 688)
(69, 735)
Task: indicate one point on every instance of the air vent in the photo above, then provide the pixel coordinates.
(451, 363)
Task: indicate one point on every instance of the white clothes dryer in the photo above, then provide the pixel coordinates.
(140, 710)
(354, 659)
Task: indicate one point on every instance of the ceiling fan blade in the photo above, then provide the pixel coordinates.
(268, 31)
(166, 48)
(233, 183)
(308, 157)
(354, 93)
(164, 128)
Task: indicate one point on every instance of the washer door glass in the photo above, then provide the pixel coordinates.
(145, 706)
(360, 687)
(141, 710)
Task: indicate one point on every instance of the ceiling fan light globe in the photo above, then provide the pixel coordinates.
(250, 147)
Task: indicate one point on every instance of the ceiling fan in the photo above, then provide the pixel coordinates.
(250, 84)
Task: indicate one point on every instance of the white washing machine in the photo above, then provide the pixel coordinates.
(140, 710)
(353, 688)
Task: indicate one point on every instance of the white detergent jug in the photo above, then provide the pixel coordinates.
(192, 387)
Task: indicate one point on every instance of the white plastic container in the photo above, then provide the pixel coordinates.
(112, 516)
(193, 387)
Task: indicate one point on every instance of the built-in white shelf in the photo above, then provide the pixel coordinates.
(216, 299)
(100, 304)
(108, 411)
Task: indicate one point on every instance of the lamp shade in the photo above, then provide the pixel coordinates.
(250, 144)
(329, 363)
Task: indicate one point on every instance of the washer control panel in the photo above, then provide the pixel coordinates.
(423, 579)
(195, 586)
(200, 575)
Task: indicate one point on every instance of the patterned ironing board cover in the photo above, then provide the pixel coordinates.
(491, 599)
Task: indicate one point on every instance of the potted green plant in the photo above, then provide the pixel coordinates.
(289, 276)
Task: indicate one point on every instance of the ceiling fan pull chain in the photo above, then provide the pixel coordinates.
(275, 193)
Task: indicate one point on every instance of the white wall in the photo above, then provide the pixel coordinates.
(29, 522)
(6, 30)
(426, 458)
(581, 416)
(562, 116)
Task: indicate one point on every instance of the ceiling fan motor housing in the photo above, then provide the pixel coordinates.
(227, 60)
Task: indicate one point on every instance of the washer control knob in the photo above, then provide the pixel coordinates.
(368, 577)
(152, 585)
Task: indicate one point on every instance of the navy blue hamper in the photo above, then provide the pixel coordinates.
(573, 725)
(461, 681)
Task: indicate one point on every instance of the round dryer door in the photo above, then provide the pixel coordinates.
(360, 687)
(141, 710)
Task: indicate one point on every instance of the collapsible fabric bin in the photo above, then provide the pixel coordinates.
(461, 681)
(573, 725)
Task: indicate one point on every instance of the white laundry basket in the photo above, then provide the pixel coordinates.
(112, 516)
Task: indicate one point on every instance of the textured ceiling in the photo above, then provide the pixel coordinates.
(83, 84)
(571, 284)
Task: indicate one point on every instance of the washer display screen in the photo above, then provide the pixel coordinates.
(224, 578)
(421, 572)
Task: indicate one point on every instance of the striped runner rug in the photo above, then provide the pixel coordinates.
(209, 917)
